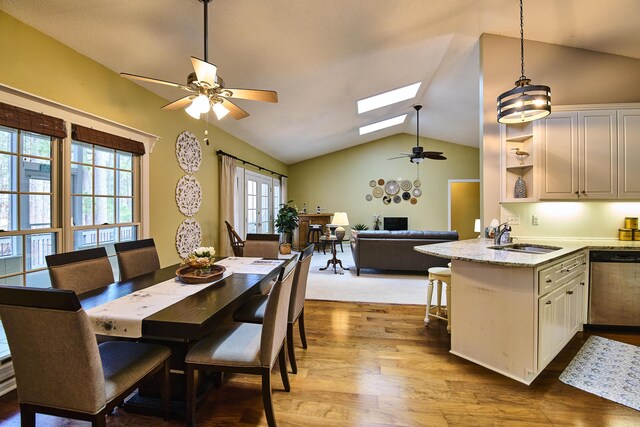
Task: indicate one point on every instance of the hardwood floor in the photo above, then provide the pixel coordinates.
(377, 365)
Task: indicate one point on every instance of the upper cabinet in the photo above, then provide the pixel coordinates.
(629, 154)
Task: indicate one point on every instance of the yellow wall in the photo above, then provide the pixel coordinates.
(35, 63)
(465, 208)
(340, 181)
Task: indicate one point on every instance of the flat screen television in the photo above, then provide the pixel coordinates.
(395, 223)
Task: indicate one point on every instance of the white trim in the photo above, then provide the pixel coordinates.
(449, 198)
(582, 107)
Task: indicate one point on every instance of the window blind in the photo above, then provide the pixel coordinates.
(104, 139)
(30, 121)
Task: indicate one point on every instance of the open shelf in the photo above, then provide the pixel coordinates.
(520, 138)
(517, 137)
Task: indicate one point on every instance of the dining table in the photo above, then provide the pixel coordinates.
(180, 325)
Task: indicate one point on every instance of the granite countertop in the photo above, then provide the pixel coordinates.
(476, 250)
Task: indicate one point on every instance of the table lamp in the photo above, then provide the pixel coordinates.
(476, 226)
(340, 219)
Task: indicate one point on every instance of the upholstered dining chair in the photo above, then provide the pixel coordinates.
(246, 348)
(262, 245)
(253, 311)
(137, 258)
(237, 244)
(80, 271)
(60, 369)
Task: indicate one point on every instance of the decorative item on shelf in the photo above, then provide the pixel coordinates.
(286, 222)
(520, 155)
(376, 222)
(340, 219)
(199, 266)
(525, 102)
(520, 189)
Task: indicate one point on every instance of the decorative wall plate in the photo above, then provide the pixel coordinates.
(391, 187)
(386, 200)
(405, 185)
(381, 181)
(417, 183)
(377, 192)
(413, 200)
(188, 152)
(188, 195)
(372, 183)
(188, 237)
(397, 199)
(406, 195)
(369, 197)
(417, 192)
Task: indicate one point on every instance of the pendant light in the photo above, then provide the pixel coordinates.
(525, 102)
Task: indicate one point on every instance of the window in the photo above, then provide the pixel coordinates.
(276, 201)
(27, 196)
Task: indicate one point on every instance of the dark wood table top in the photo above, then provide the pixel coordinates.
(193, 317)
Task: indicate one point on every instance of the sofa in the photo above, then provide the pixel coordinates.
(393, 250)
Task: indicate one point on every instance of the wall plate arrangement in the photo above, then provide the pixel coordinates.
(416, 192)
(386, 200)
(405, 185)
(372, 183)
(188, 237)
(188, 152)
(378, 192)
(188, 195)
(368, 197)
(391, 187)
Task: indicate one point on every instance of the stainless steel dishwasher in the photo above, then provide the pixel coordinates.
(614, 292)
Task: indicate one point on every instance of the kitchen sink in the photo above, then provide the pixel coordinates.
(527, 248)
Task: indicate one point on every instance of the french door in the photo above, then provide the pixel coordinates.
(258, 203)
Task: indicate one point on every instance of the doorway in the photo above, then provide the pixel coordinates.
(464, 206)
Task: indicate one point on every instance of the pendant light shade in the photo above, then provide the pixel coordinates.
(525, 102)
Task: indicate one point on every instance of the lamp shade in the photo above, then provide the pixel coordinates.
(340, 218)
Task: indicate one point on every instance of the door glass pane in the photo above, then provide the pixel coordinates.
(38, 247)
(35, 175)
(35, 211)
(8, 168)
(104, 157)
(8, 140)
(81, 179)
(82, 208)
(39, 279)
(125, 184)
(8, 212)
(124, 160)
(125, 209)
(104, 211)
(85, 239)
(36, 145)
(104, 182)
(11, 255)
(128, 233)
(81, 152)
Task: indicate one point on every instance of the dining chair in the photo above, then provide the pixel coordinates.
(59, 368)
(137, 258)
(262, 245)
(253, 311)
(237, 244)
(80, 271)
(247, 348)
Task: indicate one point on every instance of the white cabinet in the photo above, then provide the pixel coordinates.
(559, 156)
(629, 154)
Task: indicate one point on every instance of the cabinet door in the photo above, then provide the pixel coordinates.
(559, 156)
(552, 325)
(629, 154)
(573, 291)
(598, 154)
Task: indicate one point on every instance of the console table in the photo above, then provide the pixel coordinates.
(300, 234)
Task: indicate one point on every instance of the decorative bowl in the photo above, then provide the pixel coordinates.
(190, 275)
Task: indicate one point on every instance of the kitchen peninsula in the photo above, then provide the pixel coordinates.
(514, 311)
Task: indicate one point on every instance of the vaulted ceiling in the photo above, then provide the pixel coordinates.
(321, 56)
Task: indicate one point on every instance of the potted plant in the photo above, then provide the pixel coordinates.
(286, 222)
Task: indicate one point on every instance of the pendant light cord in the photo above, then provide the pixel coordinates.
(522, 76)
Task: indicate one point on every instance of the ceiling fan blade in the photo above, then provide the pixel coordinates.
(150, 80)
(205, 71)
(182, 102)
(252, 94)
(399, 157)
(235, 111)
(435, 157)
(425, 153)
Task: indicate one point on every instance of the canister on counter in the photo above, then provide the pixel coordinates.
(631, 222)
(636, 234)
(625, 234)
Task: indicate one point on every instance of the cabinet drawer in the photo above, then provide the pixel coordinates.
(555, 275)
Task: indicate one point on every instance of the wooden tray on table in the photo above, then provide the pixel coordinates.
(193, 276)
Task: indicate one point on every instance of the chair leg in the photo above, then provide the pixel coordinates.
(192, 385)
(292, 354)
(266, 397)
(303, 334)
(27, 417)
(282, 358)
(429, 299)
(166, 391)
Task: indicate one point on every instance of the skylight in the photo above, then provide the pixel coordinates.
(383, 124)
(388, 98)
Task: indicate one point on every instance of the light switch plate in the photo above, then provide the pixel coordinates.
(534, 219)
(513, 219)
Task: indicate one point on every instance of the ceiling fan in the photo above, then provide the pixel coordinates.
(418, 154)
(207, 88)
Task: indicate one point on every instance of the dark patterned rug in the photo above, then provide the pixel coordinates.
(608, 369)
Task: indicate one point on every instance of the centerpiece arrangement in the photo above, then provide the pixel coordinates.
(199, 266)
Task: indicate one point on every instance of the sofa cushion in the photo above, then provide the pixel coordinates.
(407, 234)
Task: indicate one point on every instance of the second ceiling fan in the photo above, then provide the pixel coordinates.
(418, 154)
(207, 88)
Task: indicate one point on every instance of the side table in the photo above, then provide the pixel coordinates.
(334, 260)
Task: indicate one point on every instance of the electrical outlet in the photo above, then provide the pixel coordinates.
(513, 220)
(534, 220)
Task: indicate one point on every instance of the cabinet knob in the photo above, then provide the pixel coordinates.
(577, 192)
(582, 283)
(584, 192)
(570, 292)
(548, 302)
(548, 280)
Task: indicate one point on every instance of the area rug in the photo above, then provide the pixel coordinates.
(608, 369)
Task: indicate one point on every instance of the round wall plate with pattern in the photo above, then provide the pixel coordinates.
(188, 195)
(372, 183)
(405, 185)
(397, 199)
(417, 183)
(188, 152)
(406, 195)
(377, 192)
(386, 200)
(391, 187)
(413, 200)
(188, 237)
(381, 181)
(417, 192)
(369, 197)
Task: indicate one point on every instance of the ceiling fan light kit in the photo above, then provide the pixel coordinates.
(525, 102)
(207, 88)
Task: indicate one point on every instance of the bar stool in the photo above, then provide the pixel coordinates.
(439, 275)
(313, 235)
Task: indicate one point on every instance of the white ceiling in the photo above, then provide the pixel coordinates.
(321, 56)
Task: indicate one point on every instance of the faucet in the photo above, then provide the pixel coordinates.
(500, 232)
